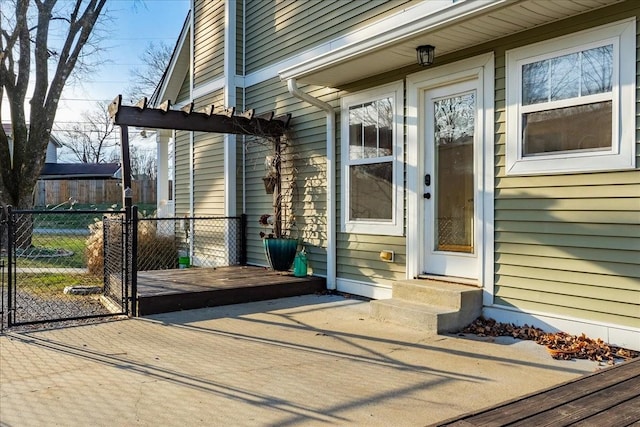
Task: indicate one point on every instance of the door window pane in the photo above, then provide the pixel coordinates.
(454, 121)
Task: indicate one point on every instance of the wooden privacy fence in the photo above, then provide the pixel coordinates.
(94, 191)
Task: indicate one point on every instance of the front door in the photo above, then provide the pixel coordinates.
(450, 182)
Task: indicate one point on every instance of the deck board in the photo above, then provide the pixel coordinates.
(596, 399)
(164, 291)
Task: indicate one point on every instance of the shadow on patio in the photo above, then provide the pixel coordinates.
(293, 361)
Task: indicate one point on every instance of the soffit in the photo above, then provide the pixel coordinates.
(348, 63)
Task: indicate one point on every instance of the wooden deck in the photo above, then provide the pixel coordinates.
(173, 290)
(610, 397)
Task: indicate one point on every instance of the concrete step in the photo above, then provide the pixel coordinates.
(430, 305)
(438, 293)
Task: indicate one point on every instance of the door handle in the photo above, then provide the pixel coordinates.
(427, 195)
(427, 179)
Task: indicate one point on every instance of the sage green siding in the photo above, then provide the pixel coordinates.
(209, 40)
(182, 174)
(182, 159)
(208, 165)
(306, 157)
(279, 29)
(566, 244)
(239, 38)
(358, 255)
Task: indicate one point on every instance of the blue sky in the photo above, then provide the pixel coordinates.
(133, 24)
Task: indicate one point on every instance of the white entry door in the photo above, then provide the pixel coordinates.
(451, 190)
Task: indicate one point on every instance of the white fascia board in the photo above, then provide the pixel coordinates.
(428, 15)
(181, 44)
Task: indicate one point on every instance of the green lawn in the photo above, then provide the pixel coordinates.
(65, 218)
(45, 246)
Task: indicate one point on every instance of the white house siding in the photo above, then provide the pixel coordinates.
(567, 245)
(278, 29)
(209, 40)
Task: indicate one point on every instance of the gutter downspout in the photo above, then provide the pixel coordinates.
(331, 177)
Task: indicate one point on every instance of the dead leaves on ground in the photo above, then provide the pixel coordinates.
(559, 344)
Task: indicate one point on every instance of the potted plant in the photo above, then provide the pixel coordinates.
(280, 248)
(279, 244)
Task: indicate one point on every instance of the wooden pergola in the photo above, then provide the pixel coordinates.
(211, 119)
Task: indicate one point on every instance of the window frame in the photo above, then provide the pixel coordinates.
(394, 226)
(621, 154)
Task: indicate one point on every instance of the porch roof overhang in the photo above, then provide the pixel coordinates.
(390, 43)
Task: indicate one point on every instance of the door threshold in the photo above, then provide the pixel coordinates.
(451, 279)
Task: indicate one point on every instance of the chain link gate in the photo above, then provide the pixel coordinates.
(4, 247)
(63, 266)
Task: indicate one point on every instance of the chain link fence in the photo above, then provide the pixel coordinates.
(70, 265)
(165, 243)
(48, 275)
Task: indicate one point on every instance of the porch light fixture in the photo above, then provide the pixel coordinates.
(426, 54)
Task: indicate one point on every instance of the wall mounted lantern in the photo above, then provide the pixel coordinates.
(426, 54)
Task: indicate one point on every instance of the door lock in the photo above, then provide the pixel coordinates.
(427, 179)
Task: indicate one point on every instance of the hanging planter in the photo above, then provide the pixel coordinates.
(269, 183)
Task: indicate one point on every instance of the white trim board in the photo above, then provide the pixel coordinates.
(365, 289)
(480, 67)
(626, 337)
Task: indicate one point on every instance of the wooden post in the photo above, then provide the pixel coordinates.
(125, 166)
(277, 191)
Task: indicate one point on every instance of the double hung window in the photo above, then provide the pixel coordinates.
(568, 105)
(371, 158)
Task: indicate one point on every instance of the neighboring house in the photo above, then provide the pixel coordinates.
(510, 162)
(80, 171)
(52, 146)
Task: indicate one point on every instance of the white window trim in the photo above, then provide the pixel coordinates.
(622, 35)
(395, 226)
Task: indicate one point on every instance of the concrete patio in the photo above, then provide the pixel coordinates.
(309, 360)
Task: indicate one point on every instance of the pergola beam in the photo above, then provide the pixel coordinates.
(189, 120)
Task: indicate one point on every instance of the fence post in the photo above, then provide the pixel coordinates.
(243, 239)
(11, 280)
(134, 261)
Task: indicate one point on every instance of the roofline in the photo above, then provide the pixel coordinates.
(405, 24)
(160, 92)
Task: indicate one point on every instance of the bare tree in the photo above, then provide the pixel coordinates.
(145, 79)
(143, 163)
(30, 61)
(92, 139)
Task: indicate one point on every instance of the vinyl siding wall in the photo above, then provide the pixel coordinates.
(209, 40)
(182, 171)
(182, 160)
(306, 156)
(566, 244)
(278, 29)
(208, 161)
(358, 255)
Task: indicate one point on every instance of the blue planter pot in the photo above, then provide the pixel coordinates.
(280, 252)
